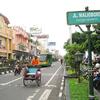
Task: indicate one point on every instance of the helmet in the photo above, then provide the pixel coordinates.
(97, 65)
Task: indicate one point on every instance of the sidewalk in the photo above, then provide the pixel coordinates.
(5, 70)
(67, 90)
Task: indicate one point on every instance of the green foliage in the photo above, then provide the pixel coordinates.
(22, 47)
(97, 26)
(97, 46)
(80, 43)
(79, 91)
(79, 37)
(71, 50)
(30, 40)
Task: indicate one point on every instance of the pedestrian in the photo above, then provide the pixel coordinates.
(61, 61)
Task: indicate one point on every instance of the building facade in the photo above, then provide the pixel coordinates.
(5, 38)
(20, 43)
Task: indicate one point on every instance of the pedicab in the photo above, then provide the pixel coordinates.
(33, 74)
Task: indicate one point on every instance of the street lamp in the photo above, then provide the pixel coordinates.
(78, 56)
(78, 60)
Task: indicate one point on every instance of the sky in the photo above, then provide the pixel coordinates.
(50, 15)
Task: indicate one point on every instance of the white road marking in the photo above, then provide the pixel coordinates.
(52, 86)
(31, 97)
(60, 94)
(62, 84)
(52, 77)
(61, 88)
(10, 81)
(45, 94)
(62, 80)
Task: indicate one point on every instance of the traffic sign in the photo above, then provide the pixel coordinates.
(83, 17)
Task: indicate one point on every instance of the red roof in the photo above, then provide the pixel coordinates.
(5, 19)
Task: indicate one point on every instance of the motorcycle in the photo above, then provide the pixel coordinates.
(96, 82)
(17, 70)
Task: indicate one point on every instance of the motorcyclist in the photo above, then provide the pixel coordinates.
(17, 70)
(25, 69)
(35, 61)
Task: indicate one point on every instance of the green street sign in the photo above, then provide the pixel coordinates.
(83, 17)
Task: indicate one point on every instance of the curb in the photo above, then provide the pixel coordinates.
(6, 72)
(66, 86)
(97, 93)
(67, 90)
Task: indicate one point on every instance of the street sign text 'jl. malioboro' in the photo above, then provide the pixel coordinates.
(83, 17)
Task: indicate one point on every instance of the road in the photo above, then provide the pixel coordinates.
(12, 88)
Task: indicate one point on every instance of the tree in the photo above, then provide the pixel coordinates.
(97, 28)
(80, 43)
(71, 49)
(81, 38)
(78, 37)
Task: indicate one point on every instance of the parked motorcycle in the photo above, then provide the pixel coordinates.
(96, 82)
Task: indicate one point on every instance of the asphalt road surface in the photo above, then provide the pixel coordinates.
(12, 88)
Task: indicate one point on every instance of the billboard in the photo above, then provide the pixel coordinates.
(51, 43)
(43, 36)
(35, 30)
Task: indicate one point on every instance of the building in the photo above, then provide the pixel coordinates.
(20, 43)
(5, 38)
(40, 45)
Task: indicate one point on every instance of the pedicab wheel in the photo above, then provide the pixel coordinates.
(26, 82)
(38, 81)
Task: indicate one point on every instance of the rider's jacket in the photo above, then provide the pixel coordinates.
(35, 61)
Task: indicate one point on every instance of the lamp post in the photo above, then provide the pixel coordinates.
(78, 59)
(91, 89)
